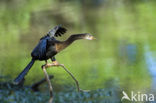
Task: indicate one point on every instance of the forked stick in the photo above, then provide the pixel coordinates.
(52, 64)
(47, 65)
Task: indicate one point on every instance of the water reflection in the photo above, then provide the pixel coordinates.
(151, 65)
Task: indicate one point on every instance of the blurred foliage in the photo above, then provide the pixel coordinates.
(122, 29)
(26, 95)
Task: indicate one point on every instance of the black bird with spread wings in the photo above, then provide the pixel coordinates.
(48, 47)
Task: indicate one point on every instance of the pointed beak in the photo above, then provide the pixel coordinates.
(89, 37)
(92, 38)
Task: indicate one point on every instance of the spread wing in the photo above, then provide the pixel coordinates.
(39, 51)
(57, 31)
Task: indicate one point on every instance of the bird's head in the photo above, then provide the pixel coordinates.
(89, 36)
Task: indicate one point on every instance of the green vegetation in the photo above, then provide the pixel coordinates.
(116, 58)
(26, 95)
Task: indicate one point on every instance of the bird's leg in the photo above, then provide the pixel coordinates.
(46, 65)
(46, 62)
(54, 62)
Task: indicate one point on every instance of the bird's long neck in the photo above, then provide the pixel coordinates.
(62, 45)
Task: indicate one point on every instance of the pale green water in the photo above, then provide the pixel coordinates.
(116, 57)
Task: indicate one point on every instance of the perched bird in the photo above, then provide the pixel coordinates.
(48, 47)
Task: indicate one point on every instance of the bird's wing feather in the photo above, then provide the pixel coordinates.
(39, 51)
(57, 31)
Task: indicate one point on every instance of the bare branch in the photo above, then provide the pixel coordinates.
(47, 65)
(77, 83)
(49, 83)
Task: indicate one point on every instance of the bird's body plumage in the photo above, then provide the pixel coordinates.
(44, 50)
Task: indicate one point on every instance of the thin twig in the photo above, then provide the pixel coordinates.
(49, 83)
(77, 83)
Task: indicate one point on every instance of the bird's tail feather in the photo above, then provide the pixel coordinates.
(20, 77)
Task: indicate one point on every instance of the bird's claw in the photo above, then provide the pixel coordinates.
(46, 65)
(55, 63)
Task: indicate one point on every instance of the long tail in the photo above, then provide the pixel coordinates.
(24, 72)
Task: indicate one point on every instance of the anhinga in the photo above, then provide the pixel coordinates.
(48, 47)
